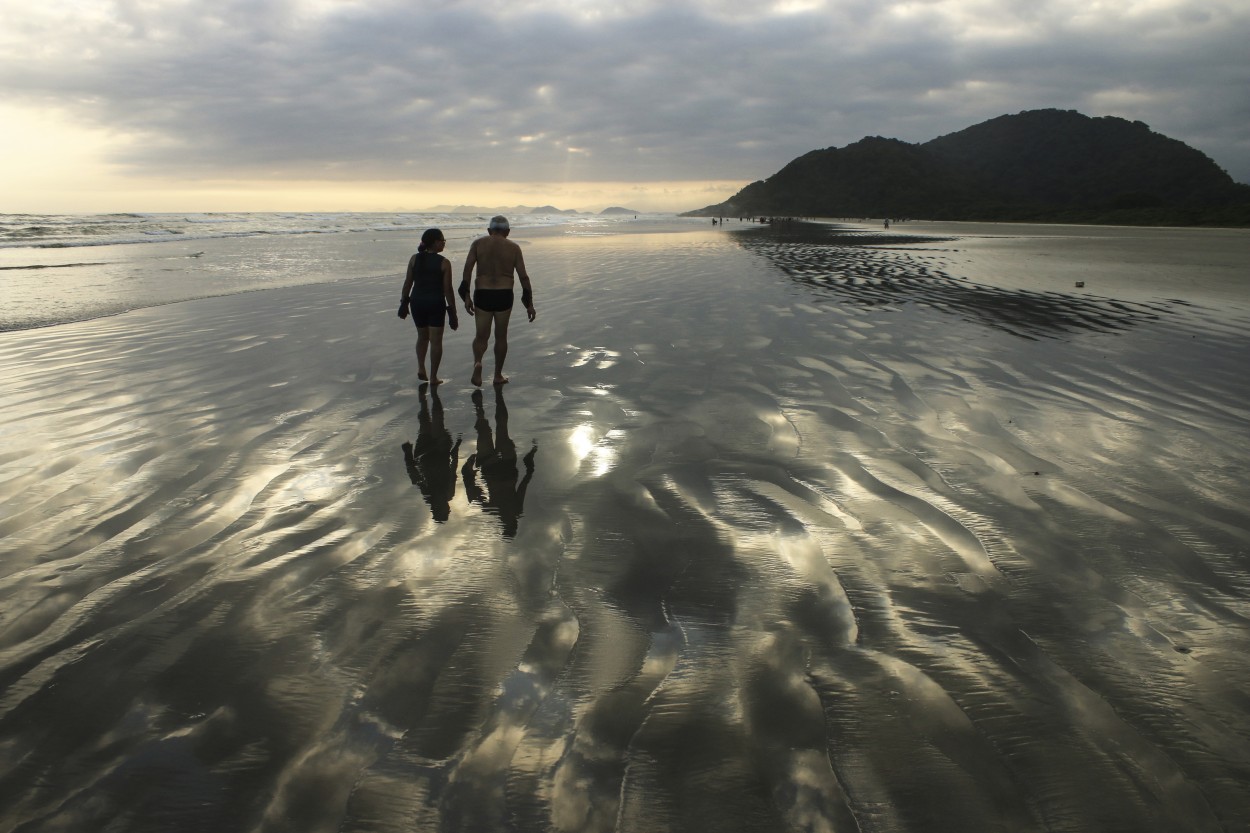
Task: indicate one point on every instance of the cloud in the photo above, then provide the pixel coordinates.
(574, 90)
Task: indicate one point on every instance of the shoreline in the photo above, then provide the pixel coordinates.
(129, 277)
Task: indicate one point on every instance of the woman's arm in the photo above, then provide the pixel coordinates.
(449, 296)
(408, 281)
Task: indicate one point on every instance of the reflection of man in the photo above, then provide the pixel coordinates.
(432, 462)
(496, 258)
(496, 458)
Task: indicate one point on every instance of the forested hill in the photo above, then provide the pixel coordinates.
(1036, 166)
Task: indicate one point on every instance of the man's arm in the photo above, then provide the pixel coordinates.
(469, 262)
(527, 291)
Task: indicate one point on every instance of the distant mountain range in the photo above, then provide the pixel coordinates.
(1035, 166)
(522, 209)
(505, 210)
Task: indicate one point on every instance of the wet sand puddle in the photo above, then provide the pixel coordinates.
(783, 529)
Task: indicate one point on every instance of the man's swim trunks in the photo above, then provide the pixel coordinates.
(493, 300)
(428, 312)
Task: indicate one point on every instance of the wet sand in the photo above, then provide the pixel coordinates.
(774, 529)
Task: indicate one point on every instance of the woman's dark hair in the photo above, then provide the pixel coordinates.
(431, 236)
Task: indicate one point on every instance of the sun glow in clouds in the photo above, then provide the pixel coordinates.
(797, 6)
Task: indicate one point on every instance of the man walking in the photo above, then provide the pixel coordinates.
(497, 258)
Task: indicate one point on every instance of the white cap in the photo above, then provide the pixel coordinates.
(498, 223)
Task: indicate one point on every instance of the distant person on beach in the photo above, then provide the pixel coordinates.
(427, 295)
(497, 258)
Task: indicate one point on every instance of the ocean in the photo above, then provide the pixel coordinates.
(789, 527)
(57, 269)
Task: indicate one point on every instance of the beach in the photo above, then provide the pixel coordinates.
(800, 527)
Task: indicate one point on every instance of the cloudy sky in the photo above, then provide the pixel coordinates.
(149, 105)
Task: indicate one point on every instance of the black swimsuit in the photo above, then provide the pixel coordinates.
(426, 300)
(493, 300)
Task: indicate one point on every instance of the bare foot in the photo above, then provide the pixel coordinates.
(436, 381)
(500, 380)
(422, 375)
(476, 378)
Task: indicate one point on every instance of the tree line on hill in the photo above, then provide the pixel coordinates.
(1036, 166)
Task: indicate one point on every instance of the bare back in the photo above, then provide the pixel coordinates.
(497, 259)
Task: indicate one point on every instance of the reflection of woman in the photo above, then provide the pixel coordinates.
(427, 295)
(432, 462)
(496, 458)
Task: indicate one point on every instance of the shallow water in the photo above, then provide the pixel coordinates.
(774, 529)
(61, 269)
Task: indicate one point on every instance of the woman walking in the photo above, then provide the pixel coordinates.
(428, 296)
